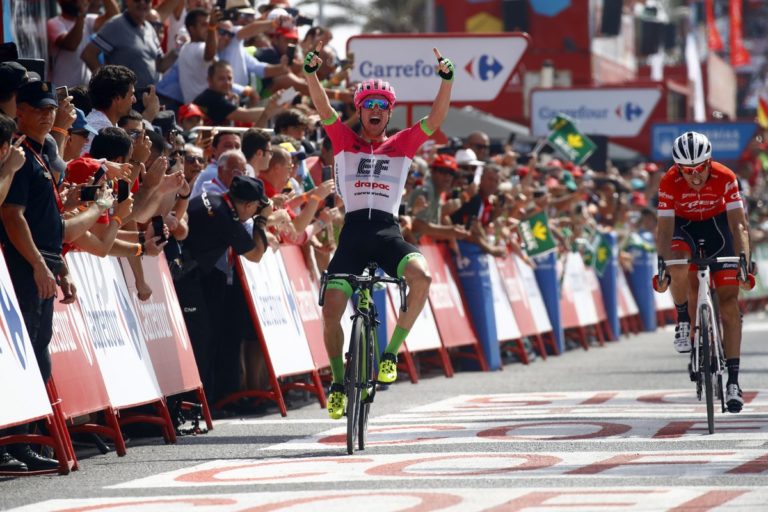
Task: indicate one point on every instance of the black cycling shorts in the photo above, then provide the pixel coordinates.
(363, 240)
(716, 234)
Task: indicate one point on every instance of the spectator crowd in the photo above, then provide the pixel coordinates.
(184, 128)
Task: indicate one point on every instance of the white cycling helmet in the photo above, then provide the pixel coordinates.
(691, 149)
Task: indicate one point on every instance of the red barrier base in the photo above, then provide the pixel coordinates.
(57, 439)
(406, 365)
(435, 359)
(162, 418)
(275, 394)
(517, 347)
(549, 341)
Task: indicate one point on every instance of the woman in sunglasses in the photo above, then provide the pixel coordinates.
(371, 171)
(699, 199)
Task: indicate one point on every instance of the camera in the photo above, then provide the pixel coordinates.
(299, 19)
(88, 193)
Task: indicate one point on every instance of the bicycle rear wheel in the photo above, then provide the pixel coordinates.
(707, 366)
(353, 383)
(370, 372)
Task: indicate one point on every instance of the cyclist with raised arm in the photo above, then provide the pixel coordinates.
(370, 173)
(699, 199)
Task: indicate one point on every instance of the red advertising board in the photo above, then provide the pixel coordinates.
(163, 327)
(76, 370)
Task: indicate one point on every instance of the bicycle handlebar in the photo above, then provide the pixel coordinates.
(368, 281)
(702, 261)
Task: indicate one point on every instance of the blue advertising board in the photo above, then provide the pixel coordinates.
(728, 139)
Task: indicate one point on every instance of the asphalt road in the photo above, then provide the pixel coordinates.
(615, 427)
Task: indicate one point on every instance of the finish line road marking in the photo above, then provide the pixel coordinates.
(704, 464)
(625, 499)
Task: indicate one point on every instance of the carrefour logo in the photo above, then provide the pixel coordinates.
(485, 67)
(13, 326)
(629, 111)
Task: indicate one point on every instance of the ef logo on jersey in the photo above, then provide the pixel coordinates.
(367, 165)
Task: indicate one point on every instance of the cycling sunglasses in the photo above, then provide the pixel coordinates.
(375, 102)
(226, 33)
(698, 169)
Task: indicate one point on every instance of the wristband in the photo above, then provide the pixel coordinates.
(307, 60)
(179, 196)
(449, 75)
(117, 219)
(142, 238)
(57, 129)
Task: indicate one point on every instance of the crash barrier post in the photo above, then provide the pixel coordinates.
(577, 302)
(472, 267)
(77, 379)
(162, 324)
(449, 310)
(275, 315)
(118, 341)
(24, 398)
(609, 284)
(643, 270)
(549, 286)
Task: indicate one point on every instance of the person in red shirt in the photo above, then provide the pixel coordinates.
(700, 200)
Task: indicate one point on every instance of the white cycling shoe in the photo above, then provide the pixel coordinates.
(733, 400)
(683, 337)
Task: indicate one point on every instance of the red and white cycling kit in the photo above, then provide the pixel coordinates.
(719, 194)
(371, 175)
(702, 215)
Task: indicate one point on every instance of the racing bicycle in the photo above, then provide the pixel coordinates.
(707, 365)
(361, 358)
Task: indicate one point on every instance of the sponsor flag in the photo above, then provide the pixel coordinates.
(602, 253)
(714, 41)
(739, 54)
(567, 139)
(537, 236)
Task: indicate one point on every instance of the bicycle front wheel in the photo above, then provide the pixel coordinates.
(354, 382)
(707, 355)
(370, 372)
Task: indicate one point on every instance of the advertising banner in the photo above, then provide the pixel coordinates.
(609, 111)
(506, 324)
(445, 300)
(577, 293)
(118, 340)
(24, 396)
(306, 293)
(729, 139)
(76, 370)
(162, 324)
(277, 311)
(483, 63)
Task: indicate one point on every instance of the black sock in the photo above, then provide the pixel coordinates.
(682, 312)
(733, 370)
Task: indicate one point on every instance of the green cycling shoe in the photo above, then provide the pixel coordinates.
(337, 401)
(387, 368)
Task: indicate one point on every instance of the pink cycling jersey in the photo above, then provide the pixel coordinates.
(371, 175)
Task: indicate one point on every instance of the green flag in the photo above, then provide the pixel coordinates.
(536, 235)
(602, 254)
(567, 139)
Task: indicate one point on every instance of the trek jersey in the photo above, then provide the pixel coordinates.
(678, 199)
(371, 175)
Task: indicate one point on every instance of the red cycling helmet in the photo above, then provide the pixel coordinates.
(374, 87)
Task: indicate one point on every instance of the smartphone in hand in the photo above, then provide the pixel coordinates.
(88, 193)
(123, 190)
(62, 93)
(290, 52)
(157, 226)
